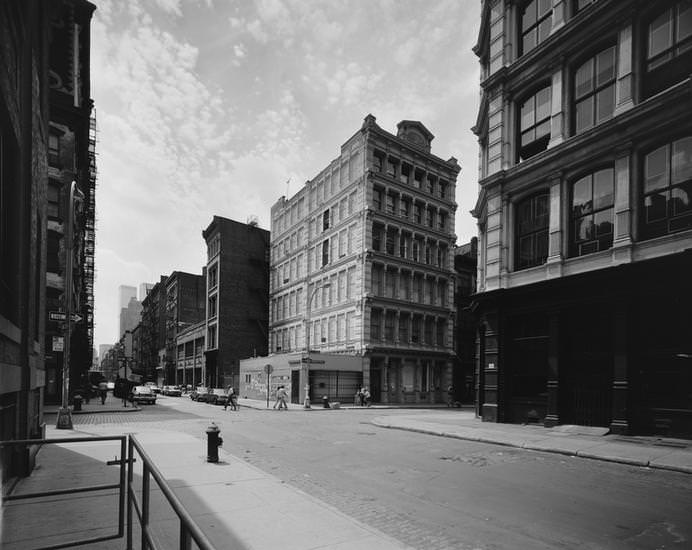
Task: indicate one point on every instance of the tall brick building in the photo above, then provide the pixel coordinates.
(362, 257)
(185, 306)
(585, 214)
(71, 157)
(236, 298)
(24, 129)
(152, 332)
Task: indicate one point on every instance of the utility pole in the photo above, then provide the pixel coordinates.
(64, 415)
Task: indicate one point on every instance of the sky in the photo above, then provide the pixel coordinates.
(209, 107)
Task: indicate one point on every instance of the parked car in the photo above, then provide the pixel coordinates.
(154, 387)
(143, 394)
(173, 391)
(199, 393)
(217, 396)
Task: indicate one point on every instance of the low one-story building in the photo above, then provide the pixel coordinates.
(338, 377)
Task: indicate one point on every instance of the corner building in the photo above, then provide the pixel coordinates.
(585, 214)
(361, 257)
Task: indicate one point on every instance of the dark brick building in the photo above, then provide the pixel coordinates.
(23, 175)
(152, 333)
(185, 306)
(465, 266)
(71, 157)
(237, 304)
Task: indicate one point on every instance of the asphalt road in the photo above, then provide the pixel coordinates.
(440, 493)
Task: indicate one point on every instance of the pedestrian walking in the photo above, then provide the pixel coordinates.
(281, 396)
(103, 391)
(366, 397)
(230, 399)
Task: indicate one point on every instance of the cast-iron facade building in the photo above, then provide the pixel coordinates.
(585, 214)
(362, 257)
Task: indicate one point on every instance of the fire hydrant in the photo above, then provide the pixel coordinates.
(214, 441)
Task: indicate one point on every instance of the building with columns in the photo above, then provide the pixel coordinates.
(362, 257)
(585, 214)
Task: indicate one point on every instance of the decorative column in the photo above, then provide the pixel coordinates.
(623, 89)
(622, 232)
(620, 423)
(489, 363)
(552, 417)
(558, 15)
(557, 126)
(555, 251)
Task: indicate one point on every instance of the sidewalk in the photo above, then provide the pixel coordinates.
(237, 505)
(112, 404)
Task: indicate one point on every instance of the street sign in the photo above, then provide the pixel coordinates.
(61, 316)
(58, 343)
(268, 369)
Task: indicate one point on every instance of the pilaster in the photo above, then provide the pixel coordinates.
(556, 112)
(622, 231)
(623, 89)
(555, 240)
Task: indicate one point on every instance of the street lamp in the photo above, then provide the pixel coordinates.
(307, 360)
(64, 416)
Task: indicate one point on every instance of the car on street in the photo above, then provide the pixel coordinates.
(199, 393)
(143, 394)
(217, 396)
(173, 391)
(154, 387)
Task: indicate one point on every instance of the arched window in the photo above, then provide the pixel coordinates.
(592, 213)
(531, 228)
(534, 124)
(667, 189)
(594, 90)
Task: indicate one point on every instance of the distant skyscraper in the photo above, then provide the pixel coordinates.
(103, 349)
(144, 289)
(125, 293)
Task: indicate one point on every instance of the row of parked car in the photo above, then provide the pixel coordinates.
(214, 396)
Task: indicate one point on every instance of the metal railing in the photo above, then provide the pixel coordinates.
(73, 490)
(128, 498)
(189, 530)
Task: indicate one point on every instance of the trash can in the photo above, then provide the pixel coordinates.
(77, 401)
(325, 401)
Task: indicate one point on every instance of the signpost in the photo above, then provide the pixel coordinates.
(62, 316)
(268, 369)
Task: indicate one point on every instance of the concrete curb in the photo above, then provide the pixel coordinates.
(535, 446)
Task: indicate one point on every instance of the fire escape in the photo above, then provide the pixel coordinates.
(90, 236)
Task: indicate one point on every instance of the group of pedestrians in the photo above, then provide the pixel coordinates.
(363, 397)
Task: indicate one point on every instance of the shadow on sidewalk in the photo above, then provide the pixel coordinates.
(51, 520)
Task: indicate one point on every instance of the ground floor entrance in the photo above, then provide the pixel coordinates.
(611, 348)
(410, 379)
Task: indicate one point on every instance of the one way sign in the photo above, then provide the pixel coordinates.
(61, 316)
